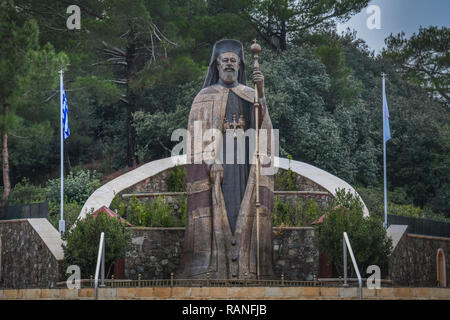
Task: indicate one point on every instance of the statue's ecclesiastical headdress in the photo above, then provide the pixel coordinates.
(226, 45)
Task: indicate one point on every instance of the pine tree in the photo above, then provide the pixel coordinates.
(26, 70)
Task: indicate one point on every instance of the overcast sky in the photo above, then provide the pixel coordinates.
(397, 16)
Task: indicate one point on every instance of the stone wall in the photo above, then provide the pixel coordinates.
(294, 254)
(156, 183)
(155, 253)
(321, 198)
(25, 259)
(413, 261)
(303, 183)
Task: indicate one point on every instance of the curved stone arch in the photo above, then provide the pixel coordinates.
(324, 179)
(104, 195)
(442, 281)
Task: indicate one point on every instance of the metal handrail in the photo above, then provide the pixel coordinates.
(100, 260)
(128, 283)
(345, 244)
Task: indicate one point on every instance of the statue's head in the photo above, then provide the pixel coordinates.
(227, 63)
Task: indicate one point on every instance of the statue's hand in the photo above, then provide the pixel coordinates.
(216, 173)
(258, 79)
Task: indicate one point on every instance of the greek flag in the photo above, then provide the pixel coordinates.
(386, 129)
(65, 114)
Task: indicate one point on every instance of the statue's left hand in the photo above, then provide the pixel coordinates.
(258, 79)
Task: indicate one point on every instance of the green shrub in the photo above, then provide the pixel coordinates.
(301, 215)
(183, 212)
(282, 212)
(405, 210)
(25, 193)
(285, 180)
(408, 210)
(307, 212)
(160, 214)
(399, 196)
(398, 204)
(348, 200)
(81, 247)
(118, 206)
(156, 213)
(78, 186)
(71, 212)
(137, 212)
(373, 199)
(368, 238)
(176, 181)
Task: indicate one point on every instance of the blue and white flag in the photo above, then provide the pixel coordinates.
(386, 137)
(65, 114)
(386, 129)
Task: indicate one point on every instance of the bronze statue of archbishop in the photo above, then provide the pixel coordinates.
(221, 229)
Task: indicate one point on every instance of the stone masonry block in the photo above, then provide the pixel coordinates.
(349, 293)
(126, 293)
(31, 294)
(329, 292)
(50, 293)
(145, 293)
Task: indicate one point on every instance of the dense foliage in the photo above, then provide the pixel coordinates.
(299, 214)
(127, 94)
(368, 238)
(176, 181)
(27, 70)
(153, 213)
(285, 180)
(81, 247)
(424, 58)
(78, 186)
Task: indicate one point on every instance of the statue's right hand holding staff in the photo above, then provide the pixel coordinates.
(258, 79)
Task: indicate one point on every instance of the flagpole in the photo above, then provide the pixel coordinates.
(384, 156)
(62, 224)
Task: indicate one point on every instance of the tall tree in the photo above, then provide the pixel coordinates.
(119, 42)
(26, 73)
(342, 91)
(424, 58)
(278, 21)
(130, 43)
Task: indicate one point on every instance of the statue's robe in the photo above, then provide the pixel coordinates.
(211, 244)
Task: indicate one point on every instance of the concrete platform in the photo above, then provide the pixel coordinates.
(232, 293)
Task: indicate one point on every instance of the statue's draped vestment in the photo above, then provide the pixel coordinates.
(235, 174)
(220, 237)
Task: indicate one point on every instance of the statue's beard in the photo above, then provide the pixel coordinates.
(228, 76)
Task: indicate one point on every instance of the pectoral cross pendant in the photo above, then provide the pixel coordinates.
(234, 124)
